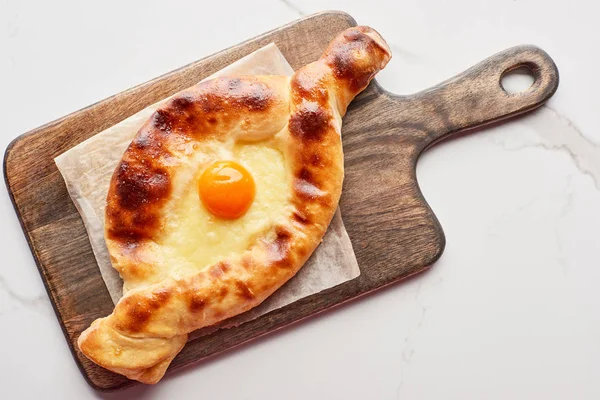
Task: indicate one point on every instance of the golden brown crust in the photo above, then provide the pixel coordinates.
(150, 324)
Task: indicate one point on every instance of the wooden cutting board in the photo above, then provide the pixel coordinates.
(394, 232)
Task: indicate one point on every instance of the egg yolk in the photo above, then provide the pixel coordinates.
(226, 189)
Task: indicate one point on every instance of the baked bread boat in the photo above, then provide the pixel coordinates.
(221, 198)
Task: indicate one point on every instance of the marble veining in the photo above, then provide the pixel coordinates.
(557, 132)
(39, 303)
(293, 7)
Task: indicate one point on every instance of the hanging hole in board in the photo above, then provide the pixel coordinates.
(517, 80)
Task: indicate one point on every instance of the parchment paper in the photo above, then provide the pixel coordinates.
(88, 167)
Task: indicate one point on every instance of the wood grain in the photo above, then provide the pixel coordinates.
(393, 230)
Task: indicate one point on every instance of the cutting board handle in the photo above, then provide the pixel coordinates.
(475, 97)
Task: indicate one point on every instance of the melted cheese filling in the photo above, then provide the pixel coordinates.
(194, 238)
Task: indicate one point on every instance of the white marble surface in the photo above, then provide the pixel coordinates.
(511, 310)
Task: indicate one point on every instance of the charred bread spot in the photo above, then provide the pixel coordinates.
(209, 103)
(192, 293)
(141, 219)
(138, 186)
(307, 186)
(148, 145)
(315, 160)
(243, 290)
(300, 217)
(219, 269)
(122, 227)
(163, 120)
(249, 94)
(183, 104)
(222, 292)
(134, 201)
(196, 303)
(305, 175)
(278, 250)
(310, 122)
(355, 57)
(125, 233)
(137, 317)
(306, 86)
(259, 98)
(138, 310)
(345, 67)
(179, 115)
